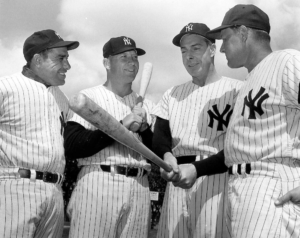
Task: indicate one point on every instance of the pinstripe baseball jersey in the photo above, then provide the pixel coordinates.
(198, 118)
(31, 125)
(264, 132)
(32, 119)
(264, 124)
(104, 204)
(118, 107)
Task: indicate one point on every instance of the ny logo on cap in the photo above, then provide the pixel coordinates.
(57, 35)
(189, 27)
(126, 41)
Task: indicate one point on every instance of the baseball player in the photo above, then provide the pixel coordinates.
(33, 112)
(111, 198)
(191, 123)
(262, 142)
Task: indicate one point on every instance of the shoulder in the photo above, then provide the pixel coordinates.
(231, 83)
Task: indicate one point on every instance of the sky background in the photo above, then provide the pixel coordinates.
(151, 23)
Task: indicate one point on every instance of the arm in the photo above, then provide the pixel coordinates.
(81, 142)
(162, 146)
(214, 164)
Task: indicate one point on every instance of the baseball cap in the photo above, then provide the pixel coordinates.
(119, 45)
(192, 28)
(247, 15)
(45, 39)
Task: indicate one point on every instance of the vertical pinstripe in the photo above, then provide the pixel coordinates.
(106, 205)
(31, 118)
(199, 211)
(270, 142)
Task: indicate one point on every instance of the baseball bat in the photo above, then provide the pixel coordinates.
(97, 116)
(146, 76)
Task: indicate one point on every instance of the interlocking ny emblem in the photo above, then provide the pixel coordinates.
(249, 102)
(126, 41)
(62, 122)
(219, 117)
(189, 28)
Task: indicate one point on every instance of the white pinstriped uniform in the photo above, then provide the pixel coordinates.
(31, 127)
(103, 204)
(269, 140)
(197, 212)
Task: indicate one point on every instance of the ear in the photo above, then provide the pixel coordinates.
(243, 32)
(106, 63)
(212, 50)
(36, 60)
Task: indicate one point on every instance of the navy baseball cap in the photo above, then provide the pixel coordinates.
(193, 28)
(42, 40)
(247, 15)
(119, 45)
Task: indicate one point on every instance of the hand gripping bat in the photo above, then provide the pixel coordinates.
(97, 116)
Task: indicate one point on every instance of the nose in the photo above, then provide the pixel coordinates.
(66, 64)
(189, 55)
(222, 48)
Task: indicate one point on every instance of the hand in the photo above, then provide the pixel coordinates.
(138, 110)
(292, 196)
(188, 176)
(174, 175)
(131, 118)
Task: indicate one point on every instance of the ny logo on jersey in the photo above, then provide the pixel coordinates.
(219, 117)
(126, 41)
(62, 122)
(189, 27)
(58, 35)
(249, 102)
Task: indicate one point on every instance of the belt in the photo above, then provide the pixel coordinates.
(239, 168)
(127, 171)
(44, 176)
(187, 159)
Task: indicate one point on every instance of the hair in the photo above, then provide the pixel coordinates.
(258, 35)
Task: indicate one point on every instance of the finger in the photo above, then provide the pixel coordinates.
(284, 199)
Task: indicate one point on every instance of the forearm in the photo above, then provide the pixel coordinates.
(214, 164)
(162, 139)
(80, 142)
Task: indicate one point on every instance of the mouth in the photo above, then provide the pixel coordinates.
(62, 73)
(130, 70)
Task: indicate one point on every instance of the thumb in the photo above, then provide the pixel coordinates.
(284, 199)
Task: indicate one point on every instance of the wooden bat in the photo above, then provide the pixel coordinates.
(97, 116)
(146, 76)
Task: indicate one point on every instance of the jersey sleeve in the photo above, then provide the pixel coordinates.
(291, 81)
(162, 108)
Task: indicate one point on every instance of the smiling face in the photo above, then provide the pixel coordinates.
(52, 69)
(196, 55)
(233, 47)
(124, 66)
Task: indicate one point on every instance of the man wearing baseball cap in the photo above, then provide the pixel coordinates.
(111, 198)
(33, 114)
(262, 142)
(191, 123)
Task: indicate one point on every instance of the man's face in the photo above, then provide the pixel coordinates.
(233, 48)
(125, 65)
(53, 68)
(195, 55)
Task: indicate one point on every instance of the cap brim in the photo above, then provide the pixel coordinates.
(71, 45)
(138, 51)
(216, 33)
(177, 38)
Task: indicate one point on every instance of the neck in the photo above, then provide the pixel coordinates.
(206, 79)
(118, 88)
(256, 55)
(29, 73)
